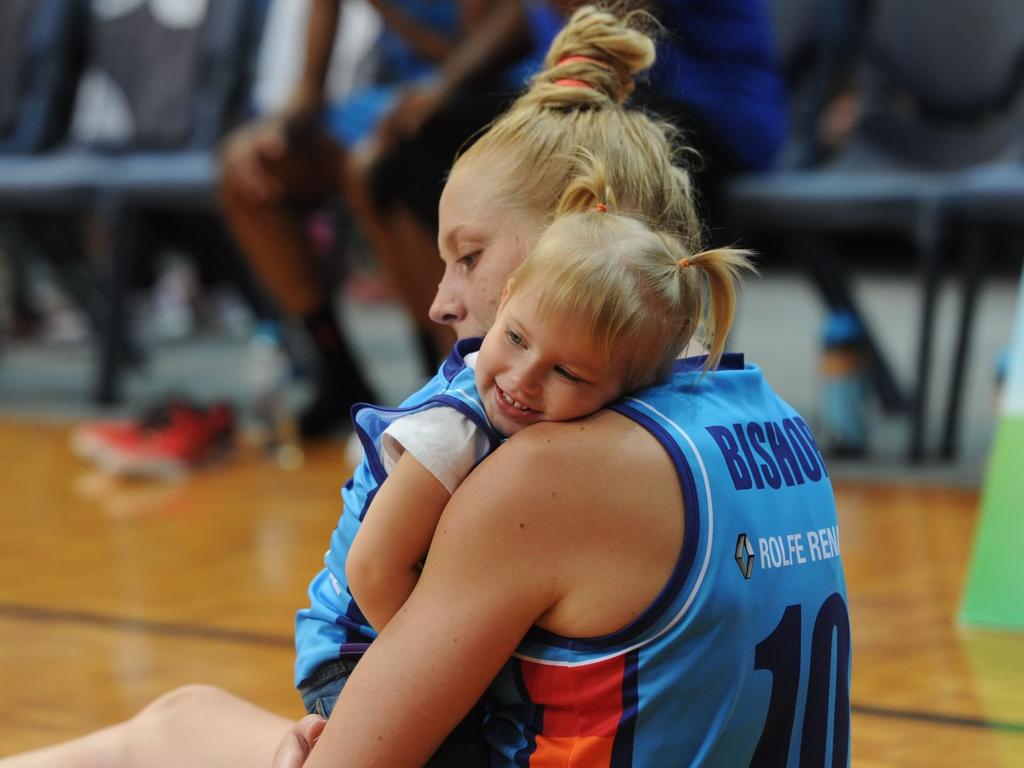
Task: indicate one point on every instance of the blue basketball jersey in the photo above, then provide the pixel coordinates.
(744, 656)
(333, 623)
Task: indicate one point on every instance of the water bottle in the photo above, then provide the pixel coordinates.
(843, 416)
(269, 371)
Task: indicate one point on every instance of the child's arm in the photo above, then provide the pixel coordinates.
(383, 563)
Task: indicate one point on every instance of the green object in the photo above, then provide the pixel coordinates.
(995, 584)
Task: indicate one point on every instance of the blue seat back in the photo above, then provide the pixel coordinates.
(944, 80)
(161, 76)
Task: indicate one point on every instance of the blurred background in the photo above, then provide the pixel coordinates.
(886, 221)
(166, 386)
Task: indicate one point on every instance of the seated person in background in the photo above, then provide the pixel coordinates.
(442, 70)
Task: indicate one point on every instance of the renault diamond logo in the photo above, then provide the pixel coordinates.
(744, 555)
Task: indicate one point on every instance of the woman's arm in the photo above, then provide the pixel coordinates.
(307, 96)
(485, 582)
(574, 527)
(383, 563)
(495, 33)
(428, 44)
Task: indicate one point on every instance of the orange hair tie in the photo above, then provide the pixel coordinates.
(684, 263)
(578, 83)
(601, 207)
(579, 57)
(574, 84)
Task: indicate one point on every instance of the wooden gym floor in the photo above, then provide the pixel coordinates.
(113, 592)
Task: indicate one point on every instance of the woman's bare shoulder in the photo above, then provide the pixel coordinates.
(583, 445)
(568, 478)
(604, 502)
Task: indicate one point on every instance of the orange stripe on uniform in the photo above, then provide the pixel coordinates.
(575, 751)
(582, 710)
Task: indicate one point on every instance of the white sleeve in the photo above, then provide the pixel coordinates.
(444, 441)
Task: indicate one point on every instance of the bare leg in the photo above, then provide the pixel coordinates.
(195, 725)
(271, 232)
(405, 248)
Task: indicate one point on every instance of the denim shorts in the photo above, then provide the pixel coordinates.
(321, 689)
(464, 748)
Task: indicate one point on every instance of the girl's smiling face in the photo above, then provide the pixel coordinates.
(481, 241)
(532, 368)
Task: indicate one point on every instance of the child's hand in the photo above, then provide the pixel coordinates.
(298, 743)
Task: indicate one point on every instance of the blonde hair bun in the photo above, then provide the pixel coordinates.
(597, 52)
(535, 147)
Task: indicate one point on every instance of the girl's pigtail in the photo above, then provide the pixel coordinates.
(721, 269)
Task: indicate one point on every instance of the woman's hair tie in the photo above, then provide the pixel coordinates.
(601, 207)
(574, 83)
(684, 263)
(578, 83)
(579, 57)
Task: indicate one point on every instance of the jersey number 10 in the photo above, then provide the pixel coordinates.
(780, 654)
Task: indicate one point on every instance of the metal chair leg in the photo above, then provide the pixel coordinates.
(927, 233)
(826, 269)
(973, 266)
(122, 230)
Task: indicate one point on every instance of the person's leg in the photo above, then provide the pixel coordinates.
(193, 725)
(405, 247)
(404, 186)
(273, 237)
(423, 269)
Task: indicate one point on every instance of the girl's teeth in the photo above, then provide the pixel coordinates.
(514, 403)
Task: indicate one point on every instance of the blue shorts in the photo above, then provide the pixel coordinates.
(320, 690)
(356, 117)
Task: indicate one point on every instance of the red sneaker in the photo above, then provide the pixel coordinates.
(91, 441)
(190, 437)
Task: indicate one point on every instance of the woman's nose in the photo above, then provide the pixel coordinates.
(447, 308)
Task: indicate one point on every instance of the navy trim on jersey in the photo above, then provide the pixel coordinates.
(683, 566)
(370, 450)
(729, 361)
(453, 365)
(622, 747)
(334, 623)
(352, 623)
(369, 498)
(535, 724)
(353, 648)
(457, 357)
